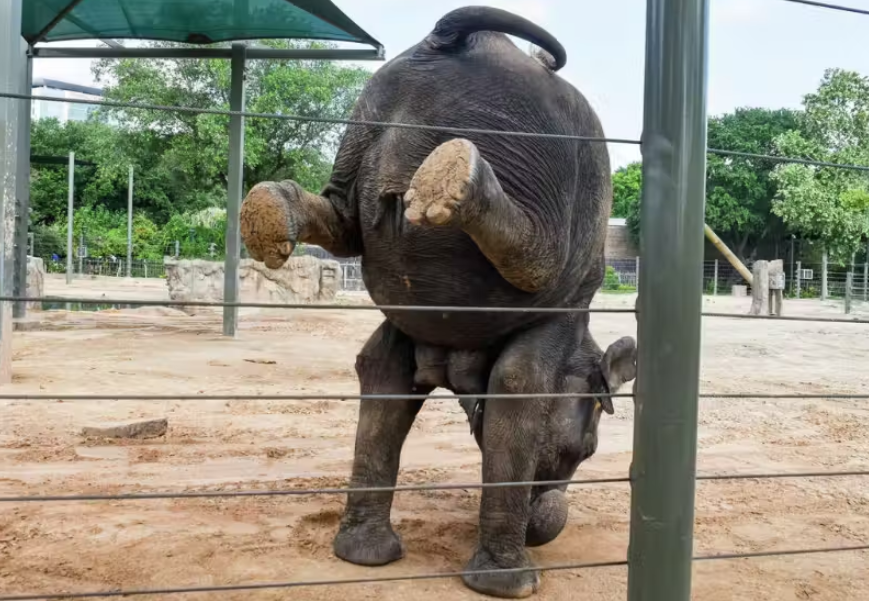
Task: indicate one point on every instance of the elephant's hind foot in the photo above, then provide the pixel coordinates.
(442, 184)
(368, 544)
(507, 585)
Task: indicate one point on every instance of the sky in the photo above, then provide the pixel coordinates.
(762, 53)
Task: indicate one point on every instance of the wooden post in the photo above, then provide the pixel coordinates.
(776, 287)
(760, 289)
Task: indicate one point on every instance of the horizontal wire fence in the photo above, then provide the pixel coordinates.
(626, 275)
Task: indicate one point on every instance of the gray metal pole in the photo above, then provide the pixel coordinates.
(235, 189)
(69, 216)
(824, 267)
(715, 282)
(849, 291)
(670, 301)
(81, 251)
(798, 279)
(12, 75)
(637, 272)
(866, 281)
(130, 225)
(22, 183)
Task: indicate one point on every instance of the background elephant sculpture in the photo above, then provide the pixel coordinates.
(480, 220)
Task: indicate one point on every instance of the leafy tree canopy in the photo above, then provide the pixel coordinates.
(828, 204)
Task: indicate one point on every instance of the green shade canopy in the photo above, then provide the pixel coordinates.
(189, 21)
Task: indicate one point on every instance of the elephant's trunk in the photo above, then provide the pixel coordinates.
(548, 516)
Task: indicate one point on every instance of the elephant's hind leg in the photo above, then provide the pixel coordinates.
(385, 366)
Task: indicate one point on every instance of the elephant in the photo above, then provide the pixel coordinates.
(468, 218)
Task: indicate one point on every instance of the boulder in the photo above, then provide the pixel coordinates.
(301, 280)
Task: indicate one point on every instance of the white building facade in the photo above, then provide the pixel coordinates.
(63, 111)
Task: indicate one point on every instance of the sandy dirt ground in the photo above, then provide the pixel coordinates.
(251, 444)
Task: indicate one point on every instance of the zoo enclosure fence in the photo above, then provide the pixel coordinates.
(663, 474)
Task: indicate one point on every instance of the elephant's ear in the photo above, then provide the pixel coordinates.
(619, 363)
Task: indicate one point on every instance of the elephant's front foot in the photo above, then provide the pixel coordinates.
(368, 544)
(443, 185)
(508, 585)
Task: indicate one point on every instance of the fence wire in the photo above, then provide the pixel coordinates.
(402, 308)
(443, 309)
(850, 9)
(414, 577)
(298, 492)
(397, 125)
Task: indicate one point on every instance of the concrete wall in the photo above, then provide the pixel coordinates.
(301, 280)
(619, 244)
(35, 281)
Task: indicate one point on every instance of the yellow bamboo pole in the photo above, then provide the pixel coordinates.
(728, 254)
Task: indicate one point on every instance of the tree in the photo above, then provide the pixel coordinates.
(828, 204)
(181, 157)
(626, 189)
(48, 187)
(739, 190)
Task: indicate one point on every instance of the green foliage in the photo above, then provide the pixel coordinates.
(185, 155)
(826, 204)
(740, 190)
(180, 159)
(627, 182)
(611, 279)
(200, 234)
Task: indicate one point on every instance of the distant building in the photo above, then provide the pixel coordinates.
(63, 111)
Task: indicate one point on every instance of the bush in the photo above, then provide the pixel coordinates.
(611, 279)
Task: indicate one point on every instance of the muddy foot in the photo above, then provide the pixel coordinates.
(442, 183)
(509, 585)
(267, 224)
(368, 545)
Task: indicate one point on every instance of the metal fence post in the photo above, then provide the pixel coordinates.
(670, 301)
(715, 280)
(81, 251)
(798, 278)
(866, 281)
(69, 217)
(824, 267)
(22, 183)
(637, 272)
(130, 225)
(235, 189)
(849, 291)
(11, 77)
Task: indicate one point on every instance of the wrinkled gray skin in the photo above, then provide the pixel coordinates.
(480, 220)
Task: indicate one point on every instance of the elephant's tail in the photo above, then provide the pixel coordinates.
(454, 28)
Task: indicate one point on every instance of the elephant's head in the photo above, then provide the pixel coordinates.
(571, 432)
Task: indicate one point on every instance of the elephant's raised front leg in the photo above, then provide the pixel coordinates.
(385, 366)
(511, 433)
(275, 216)
(456, 186)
